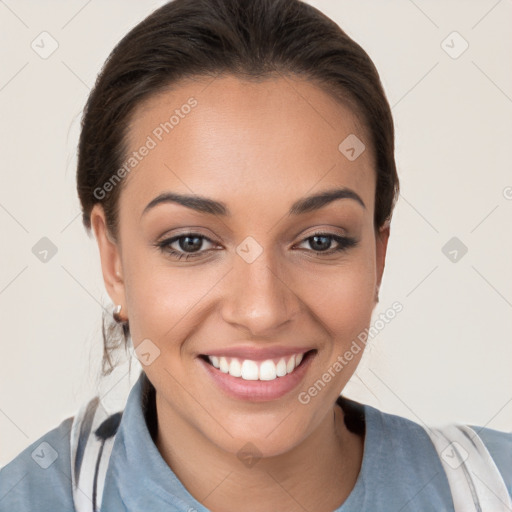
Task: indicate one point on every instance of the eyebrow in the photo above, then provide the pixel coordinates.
(210, 206)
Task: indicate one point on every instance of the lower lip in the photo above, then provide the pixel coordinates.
(258, 390)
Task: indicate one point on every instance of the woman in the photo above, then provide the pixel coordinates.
(236, 165)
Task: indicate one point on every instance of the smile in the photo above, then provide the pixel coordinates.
(260, 378)
(247, 369)
(255, 374)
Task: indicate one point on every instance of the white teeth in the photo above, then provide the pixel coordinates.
(224, 366)
(249, 370)
(281, 368)
(256, 370)
(235, 368)
(268, 370)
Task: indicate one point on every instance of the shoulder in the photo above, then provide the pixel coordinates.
(409, 441)
(39, 478)
(401, 429)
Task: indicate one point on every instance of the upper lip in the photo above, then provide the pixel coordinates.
(258, 353)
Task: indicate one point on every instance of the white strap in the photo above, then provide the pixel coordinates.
(475, 481)
(89, 456)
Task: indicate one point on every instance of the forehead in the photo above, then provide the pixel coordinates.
(233, 139)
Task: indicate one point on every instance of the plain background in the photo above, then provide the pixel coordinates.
(446, 357)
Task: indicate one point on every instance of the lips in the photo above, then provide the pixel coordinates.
(257, 379)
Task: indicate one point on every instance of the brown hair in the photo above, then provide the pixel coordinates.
(251, 39)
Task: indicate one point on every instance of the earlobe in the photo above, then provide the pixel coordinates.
(109, 256)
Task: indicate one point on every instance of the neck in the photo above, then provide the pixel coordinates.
(318, 474)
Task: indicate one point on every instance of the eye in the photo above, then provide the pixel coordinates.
(321, 243)
(189, 243)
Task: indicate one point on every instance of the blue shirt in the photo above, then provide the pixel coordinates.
(400, 471)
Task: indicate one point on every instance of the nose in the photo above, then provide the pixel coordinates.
(258, 296)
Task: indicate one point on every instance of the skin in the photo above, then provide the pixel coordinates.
(258, 147)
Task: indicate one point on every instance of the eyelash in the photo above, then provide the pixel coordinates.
(344, 243)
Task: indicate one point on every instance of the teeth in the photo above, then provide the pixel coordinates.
(281, 368)
(268, 370)
(235, 368)
(249, 370)
(256, 370)
(224, 366)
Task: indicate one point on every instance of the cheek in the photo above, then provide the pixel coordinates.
(164, 300)
(342, 297)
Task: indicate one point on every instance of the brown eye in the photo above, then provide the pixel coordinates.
(189, 245)
(321, 243)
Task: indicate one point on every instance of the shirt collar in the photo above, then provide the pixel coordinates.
(145, 481)
(143, 478)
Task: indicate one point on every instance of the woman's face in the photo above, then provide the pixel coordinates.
(258, 285)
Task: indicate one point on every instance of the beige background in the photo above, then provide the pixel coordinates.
(446, 357)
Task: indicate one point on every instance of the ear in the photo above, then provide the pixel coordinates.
(110, 258)
(381, 245)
